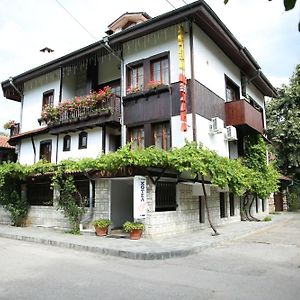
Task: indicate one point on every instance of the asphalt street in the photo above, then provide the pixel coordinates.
(264, 265)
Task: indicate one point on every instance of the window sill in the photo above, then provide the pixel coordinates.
(147, 93)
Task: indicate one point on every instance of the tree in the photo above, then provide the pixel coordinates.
(283, 123)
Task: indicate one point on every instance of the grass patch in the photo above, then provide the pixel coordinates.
(274, 213)
(267, 219)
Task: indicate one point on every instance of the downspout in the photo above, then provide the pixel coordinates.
(56, 159)
(192, 83)
(103, 139)
(34, 149)
(21, 112)
(122, 91)
(60, 84)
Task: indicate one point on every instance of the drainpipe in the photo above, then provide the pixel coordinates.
(22, 97)
(192, 87)
(60, 84)
(122, 91)
(56, 159)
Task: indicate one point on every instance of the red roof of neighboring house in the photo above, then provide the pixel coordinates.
(4, 143)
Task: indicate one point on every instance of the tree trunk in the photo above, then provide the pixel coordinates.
(206, 206)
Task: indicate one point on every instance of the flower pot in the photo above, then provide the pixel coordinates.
(136, 234)
(101, 231)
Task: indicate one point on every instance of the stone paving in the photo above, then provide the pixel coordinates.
(144, 249)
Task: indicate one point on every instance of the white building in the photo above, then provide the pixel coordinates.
(193, 55)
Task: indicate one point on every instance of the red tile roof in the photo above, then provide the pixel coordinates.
(4, 143)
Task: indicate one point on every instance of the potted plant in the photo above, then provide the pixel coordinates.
(101, 226)
(134, 228)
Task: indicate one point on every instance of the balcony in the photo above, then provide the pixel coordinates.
(242, 114)
(82, 117)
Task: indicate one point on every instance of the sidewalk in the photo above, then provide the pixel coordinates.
(143, 249)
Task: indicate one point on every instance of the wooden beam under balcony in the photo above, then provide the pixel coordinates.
(242, 113)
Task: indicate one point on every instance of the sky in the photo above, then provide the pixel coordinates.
(268, 32)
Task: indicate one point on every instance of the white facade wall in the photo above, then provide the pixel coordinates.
(211, 64)
(33, 98)
(26, 152)
(94, 145)
(216, 142)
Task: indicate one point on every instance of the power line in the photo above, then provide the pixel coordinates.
(171, 4)
(88, 32)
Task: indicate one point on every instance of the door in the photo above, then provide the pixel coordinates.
(278, 202)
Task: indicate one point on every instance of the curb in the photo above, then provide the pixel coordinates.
(145, 255)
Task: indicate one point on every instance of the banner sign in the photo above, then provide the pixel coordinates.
(139, 197)
(182, 79)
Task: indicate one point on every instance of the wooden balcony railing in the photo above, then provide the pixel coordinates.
(241, 112)
(106, 111)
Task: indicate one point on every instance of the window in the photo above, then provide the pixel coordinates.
(232, 90)
(160, 70)
(82, 142)
(67, 143)
(256, 205)
(136, 136)
(165, 196)
(45, 150)
(83, 189)
(262, 205)
(39, 193)
(222, 205)
(136, 77)
(162, 135)
(231, 204)
(48, 98)
(201, 210)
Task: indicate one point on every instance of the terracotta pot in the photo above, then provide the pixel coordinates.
(101, 231)
(136, 234)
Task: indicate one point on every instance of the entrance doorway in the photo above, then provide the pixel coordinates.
(121, 201)
(278, 201)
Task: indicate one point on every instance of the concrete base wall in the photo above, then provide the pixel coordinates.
(157, 224)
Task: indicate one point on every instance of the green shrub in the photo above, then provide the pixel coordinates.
(129, 226)
(102, 223)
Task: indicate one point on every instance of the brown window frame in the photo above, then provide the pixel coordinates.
(81, 137)
(161, 75)
(139, 83)
(165, 135)
(67, 143)
(48, 98)
(234, 89)
(49, 155)
(140, 137)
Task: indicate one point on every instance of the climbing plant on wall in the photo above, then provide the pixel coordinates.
(252, 174)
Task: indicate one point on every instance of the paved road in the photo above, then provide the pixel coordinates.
(264, 265)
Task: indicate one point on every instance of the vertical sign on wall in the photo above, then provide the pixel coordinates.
(139, 197)
(182, 79)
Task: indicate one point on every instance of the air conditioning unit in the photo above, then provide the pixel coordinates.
(231, 133)
(216, 125)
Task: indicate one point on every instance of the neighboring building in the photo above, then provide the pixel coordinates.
(7, 152)
(212, 91)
